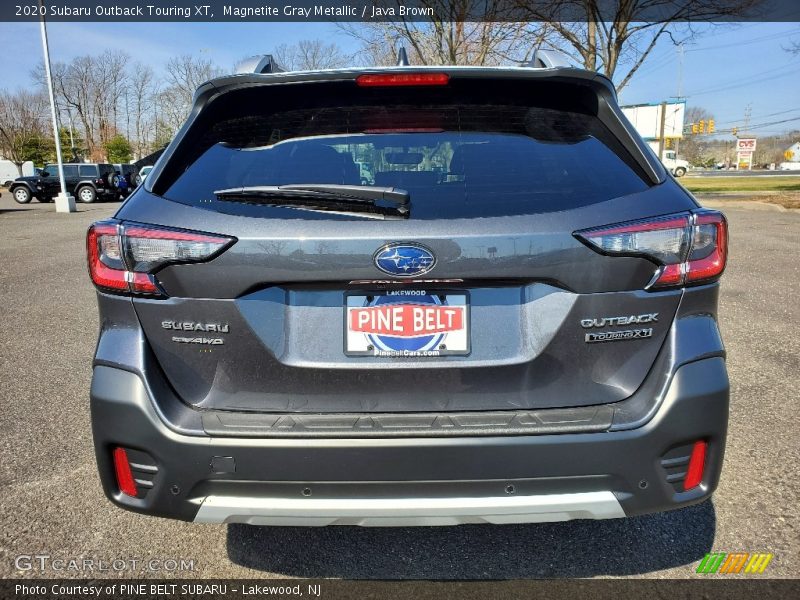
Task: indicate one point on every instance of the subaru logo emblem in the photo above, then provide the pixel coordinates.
(404, 260)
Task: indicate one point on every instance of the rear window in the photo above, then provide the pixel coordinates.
(461, 155)
(87, 171)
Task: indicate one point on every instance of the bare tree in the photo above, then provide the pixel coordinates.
(696, 149)
(185, 73)
(91, 88)
(71, 83)
(140, 100)
(307, 55)
(453, 35)
(618, 35)
(183, 76)
(108, 95)
(23, 122)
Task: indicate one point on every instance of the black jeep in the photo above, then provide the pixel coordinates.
(86, 181)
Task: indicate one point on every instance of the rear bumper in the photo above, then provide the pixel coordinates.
(413, 480)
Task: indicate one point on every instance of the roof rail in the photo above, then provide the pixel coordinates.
(261, 63)
(547, 59)
(402, 57)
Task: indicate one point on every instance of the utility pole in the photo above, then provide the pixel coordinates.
(679, 93)
(64, 201)
(661, 131)
(747, 112)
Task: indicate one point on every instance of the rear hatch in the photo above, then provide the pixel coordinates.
(478, 297)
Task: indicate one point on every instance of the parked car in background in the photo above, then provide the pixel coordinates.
(86, 181)
(8, 172)
(143, 174)
(28, 169)
(129, 171)
(126, 179)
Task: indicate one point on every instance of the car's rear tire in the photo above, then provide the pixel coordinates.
(680, 172)
(22, 195)
(86, 194)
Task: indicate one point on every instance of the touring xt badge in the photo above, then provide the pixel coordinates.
(617, 336)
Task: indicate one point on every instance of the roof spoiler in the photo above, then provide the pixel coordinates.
(260, 64)
(547, 59)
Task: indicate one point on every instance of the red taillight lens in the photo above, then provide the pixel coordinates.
(402, 79)
(104, 253)
(697, 463)
(124, 257)
(689, 248)
(122, 469)
(709, 247)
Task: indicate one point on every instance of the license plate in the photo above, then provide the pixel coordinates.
(407, 323)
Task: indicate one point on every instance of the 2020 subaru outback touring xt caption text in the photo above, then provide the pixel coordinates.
(513, 319)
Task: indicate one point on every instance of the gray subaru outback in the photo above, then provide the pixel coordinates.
(408, 296)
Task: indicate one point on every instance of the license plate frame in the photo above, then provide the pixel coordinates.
(383, 346)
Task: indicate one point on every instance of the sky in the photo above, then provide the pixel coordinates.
(726, 69)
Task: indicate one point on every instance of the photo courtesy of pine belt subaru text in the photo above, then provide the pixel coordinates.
(408, 296)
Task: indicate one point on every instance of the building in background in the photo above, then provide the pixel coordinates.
(661, 126)
(657, 121)
(792, 156)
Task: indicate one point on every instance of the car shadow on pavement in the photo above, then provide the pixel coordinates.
(572, 549)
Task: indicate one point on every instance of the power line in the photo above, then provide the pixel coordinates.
(757, 126)
(775, 114)
(668, 59)
(756, 78)
(747, 42)
(761, 125)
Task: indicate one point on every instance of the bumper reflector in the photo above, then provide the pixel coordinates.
(697, 463)
(122, 469)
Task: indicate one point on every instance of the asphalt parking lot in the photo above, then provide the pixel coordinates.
(51, 501)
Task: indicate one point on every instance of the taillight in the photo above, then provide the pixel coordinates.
(402, 79)
(104, 253)
(123, 258)
(709, 247)
(689, 248)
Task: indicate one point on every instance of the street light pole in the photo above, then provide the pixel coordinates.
(64, 202)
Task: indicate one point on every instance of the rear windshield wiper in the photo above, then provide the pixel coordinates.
(378, 202)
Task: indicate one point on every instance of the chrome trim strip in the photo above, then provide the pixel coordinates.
(403, 512)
